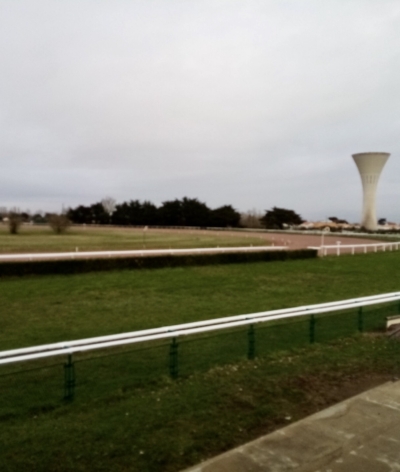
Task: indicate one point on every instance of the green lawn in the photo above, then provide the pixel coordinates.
(86, 238)
(128, 414)
(174, 424)
(37, 310)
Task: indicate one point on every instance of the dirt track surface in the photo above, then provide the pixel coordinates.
(301, 241)
(293, 240)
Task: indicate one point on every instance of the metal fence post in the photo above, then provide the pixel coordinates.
(173, 359)
(312, 329)
(251, 353)
(69, 379)
(360, 320)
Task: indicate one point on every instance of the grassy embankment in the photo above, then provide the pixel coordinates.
(117, 423)
(86, 238)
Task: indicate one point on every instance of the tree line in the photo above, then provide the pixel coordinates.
(184, 212)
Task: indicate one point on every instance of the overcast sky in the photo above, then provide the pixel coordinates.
(254, 103)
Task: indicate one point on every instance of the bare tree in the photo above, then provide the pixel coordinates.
(58, 223)
(14, 221)
(109, 204)
(251, 219)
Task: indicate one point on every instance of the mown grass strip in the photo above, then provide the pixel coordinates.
(95, 374)
(88, 238)
(174, 424)
(39, 310)
(118, 424)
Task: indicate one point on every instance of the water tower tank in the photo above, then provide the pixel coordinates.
(370, 165)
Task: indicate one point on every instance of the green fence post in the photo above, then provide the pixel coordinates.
(69, 379)
(360, 320)
(251, 353)
(173, 359)
(312, 329)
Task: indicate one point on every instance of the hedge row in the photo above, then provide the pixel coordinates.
(77, 266)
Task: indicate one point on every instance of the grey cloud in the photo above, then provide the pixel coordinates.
(251, 103)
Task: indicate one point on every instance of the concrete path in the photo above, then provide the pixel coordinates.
(361, 434)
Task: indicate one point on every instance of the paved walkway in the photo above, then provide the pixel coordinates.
(361, 434)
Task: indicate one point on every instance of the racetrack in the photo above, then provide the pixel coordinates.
(289, 241)
(301, 241)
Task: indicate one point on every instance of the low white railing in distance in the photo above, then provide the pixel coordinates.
(339, 248)
(136, 252)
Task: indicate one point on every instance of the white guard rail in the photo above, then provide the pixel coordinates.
(102, 342)
(137, 252)
(339, 248)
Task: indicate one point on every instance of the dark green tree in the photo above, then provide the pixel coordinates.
(80, 215)
(277, 218)
(195, 213)
(135, 213)
(150, 213)
(121, 215)
(225, 216)
(170, 213)
(94, 214)
(128, 213)
(185, 212)
(99, 214)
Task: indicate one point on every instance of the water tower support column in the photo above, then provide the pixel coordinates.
(370, 165)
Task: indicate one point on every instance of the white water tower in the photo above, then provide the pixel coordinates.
(370, 165)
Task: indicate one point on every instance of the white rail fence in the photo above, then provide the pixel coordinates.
(187, 329)
(339, 248)
(137, 252)
(69, 348)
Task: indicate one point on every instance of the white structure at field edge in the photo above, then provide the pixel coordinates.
(370, 165)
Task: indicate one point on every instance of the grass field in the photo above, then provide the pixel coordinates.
(116, 423)
(173, 425)
(86, 238)
(36, 310)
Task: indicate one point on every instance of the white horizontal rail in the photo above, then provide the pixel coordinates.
(137, 252)
(338, 247)
(101, 342)
(198, 324)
